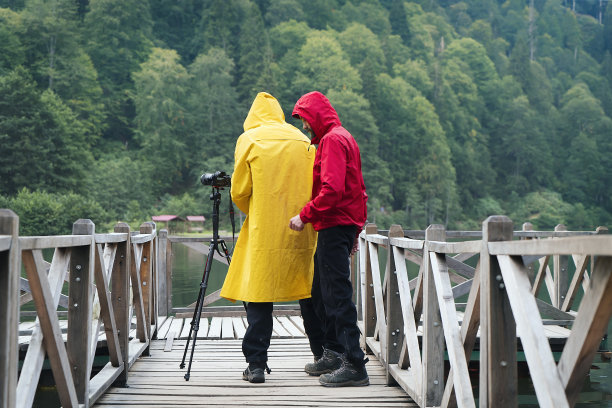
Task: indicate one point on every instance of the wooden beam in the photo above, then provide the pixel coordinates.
(542, 367)
(10, 269)
(433, 336)
(452, 332)
(395, 324)
(120, 298)
(498, 366)
(588, 329)
(80, 306)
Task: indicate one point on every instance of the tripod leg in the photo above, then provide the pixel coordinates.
(197, 313)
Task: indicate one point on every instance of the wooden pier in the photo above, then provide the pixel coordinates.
(426, 301)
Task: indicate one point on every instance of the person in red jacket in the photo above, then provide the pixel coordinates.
(337, 210)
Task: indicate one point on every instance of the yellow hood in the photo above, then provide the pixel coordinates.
(265, 110)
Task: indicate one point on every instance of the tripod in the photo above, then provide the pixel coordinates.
(215, 243)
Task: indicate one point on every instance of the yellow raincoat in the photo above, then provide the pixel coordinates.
(272, 181)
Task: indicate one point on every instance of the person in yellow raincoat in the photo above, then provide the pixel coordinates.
(272, 180)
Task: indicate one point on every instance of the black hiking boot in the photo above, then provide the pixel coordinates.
(328, 362)
(348, 375)
(254, 373)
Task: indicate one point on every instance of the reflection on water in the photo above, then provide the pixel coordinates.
(187, 274)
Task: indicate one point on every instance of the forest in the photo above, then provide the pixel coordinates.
(112, 109)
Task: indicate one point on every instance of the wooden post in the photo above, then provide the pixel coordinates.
(169, 258)
(527, 226)
(560, 274)
(395, 322)
(146, 280)
(498, 367)
(120, 296)
(433, 335)
(10, 269)
(162, 281)
(369, 308)
(80, 306)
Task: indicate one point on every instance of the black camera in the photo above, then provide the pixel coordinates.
(216, 179)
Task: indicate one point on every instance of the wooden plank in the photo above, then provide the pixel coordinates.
(202, 329)
(186, 329)
(498, 366)
(537, 283)
(56, 241)
(378, 297)
(588, 329)
(455, 247)
(239, 327)
(409, 323)
(33, 361)
(433, 336)
(406, 243)
(106, 307)
(368, 307)
(227, 328)
(52, 336)
(120, 286)
(217, 380)
(110, 238)
(80, 299)
(298, 322)
(452, 332)
(175, 328)
(163, 330)
(395, 323)
(581, 245)
(581, 263)
(10, 269)
(137, 295)
(279, 329)
(214, 332)
(542, 367)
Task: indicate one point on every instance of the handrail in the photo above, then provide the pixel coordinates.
(511, 268)
(117, 266)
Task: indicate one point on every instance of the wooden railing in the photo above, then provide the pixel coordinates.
(113, 273)
(409, 324)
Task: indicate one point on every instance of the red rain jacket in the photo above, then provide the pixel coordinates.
(338, 190)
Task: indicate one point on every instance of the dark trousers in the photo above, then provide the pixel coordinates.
(257, 337)
(334, 321)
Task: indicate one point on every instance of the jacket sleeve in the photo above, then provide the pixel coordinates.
(242, 183)
(333, 173)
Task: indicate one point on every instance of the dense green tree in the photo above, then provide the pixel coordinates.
(174, 24)
(119, 39)
(11, 50)
(216, 118)
(283, 10)
(43, 144)
(370, 14)
(323, 66)
(253, 50)
(161, 128)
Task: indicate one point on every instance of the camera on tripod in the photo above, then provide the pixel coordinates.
(216, 179)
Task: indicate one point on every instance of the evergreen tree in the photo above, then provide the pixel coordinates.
(119, 34)
(252, 46)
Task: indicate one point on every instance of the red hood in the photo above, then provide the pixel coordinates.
(318, 111)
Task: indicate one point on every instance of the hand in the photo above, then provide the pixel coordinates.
(355, 248)
(296, 223)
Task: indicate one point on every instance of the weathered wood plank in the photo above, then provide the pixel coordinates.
(52, 336)
(588, 329)
(581, 245)
(498, 366)
(33, 361)
(542, 366)
(55, 241)
(10, 269)
(452, 332)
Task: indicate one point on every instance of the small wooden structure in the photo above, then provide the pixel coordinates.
(195, 223)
